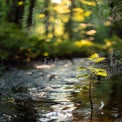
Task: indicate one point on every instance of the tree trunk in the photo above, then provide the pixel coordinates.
(11, 10)
(47, 17)
(19, 12)
(15, 11)
(90, 98)
(69, 28)
(7, 2)
(30, 17)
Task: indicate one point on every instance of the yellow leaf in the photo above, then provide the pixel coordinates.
(78, 17)
(94, 56)
(87, 13)
(78, 10)
(88, 3)
(99, 59)
(102, 73)
(62, 9)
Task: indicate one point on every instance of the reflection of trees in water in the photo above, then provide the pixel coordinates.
(25, 112)
(115, 100)
(110, 92)
(17, 111)
(116, 97)
(16, 105)
(81, 102)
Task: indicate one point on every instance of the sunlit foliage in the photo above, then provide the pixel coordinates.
(75, 25)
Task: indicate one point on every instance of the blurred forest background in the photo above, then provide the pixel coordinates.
(33, 29)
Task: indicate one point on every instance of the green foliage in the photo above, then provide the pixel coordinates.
(57, 29)
(92, 70)
(16, 45)
(113, 42)
(11, 38)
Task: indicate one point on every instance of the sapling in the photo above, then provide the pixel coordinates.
(92, 71)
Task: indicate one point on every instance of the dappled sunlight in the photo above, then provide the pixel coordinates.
(39, 29)
(83, 25)
(91, 32)
(87, 13)
(20, 3)
(108, 23)
(108, 43)
(46, 71)
(56, 1)
(83, 43)
(59, 31)
(79, 10)
(45, 54)
(90, 3)
(62, 9)
(78, 17)
(41, 16)
(42, 66)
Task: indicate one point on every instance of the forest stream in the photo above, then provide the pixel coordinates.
(52, 93)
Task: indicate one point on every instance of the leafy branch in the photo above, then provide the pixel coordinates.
(90, 72)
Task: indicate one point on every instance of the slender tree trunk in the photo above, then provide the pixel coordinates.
(19, 12)
(15, 11)
(11, 10)
(30, 17)
(47, 17)
(90, 97)
(53, 30)
(7, 2)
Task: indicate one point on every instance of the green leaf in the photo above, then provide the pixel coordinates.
(93, 70)
(85, 88)
(93, 56)
(82, 68)
(82, 75)
(99, 59)
(102, 72)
